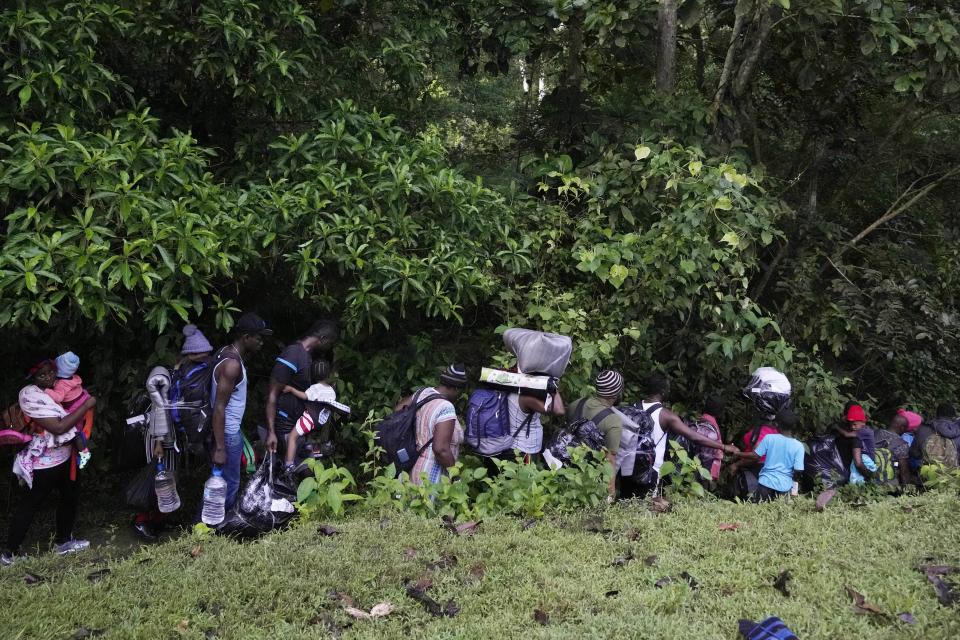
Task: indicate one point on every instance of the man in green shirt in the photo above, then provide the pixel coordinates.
(599, 409)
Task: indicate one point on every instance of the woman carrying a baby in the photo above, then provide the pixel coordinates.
(47, 462)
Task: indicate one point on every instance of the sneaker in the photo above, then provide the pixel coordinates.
(72, 546)
(144, 532)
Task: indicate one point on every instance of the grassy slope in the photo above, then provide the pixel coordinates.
(274, 587)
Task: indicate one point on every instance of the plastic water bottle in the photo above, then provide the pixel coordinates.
(166, 488)
(214, 499)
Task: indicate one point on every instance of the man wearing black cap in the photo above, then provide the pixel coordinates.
(293, 369)
(229, 394)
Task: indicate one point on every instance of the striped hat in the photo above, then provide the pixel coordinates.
(609, 384)
(454, 376)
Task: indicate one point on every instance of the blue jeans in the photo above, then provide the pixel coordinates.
(231, 469)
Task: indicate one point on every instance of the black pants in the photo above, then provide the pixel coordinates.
(633, 487)
(44, 482)
(766, 494)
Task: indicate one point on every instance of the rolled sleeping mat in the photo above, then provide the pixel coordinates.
(514, 380)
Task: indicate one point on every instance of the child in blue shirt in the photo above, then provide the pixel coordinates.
(783, 460)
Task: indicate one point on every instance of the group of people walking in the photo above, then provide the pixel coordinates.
(55, 415)
(204, 396)
(767, 463)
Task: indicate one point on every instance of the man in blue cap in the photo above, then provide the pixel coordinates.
(229, 393)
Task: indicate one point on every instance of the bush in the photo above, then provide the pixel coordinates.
(325, 493)
(520, 489)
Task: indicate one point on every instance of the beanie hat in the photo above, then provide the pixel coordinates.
(454, 376)
(67, 364)
(195, 341)
(856, 414)
(609, 383)
(914, 420)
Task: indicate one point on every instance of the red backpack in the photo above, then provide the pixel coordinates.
(16, 428)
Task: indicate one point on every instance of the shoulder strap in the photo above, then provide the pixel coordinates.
(650, 411)
(526, 423)
(578, 412)
(603, 415)
(419, 404)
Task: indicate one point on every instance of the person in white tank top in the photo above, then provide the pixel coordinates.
(656, 389)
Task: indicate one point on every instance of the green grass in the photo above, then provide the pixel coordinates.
(279, 587)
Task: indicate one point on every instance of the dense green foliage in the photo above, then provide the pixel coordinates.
(775, 189)
(593, 575)
(518, 488)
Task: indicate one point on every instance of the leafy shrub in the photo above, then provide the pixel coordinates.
(937, 477)
(454, 496)
(520, 489)
(686, 474)
(325, 493)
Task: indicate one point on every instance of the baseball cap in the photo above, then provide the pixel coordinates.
(251, 323)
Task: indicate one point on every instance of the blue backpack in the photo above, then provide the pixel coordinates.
(189, 397)
(488, 422)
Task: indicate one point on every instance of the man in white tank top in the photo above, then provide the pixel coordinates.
(656, 389)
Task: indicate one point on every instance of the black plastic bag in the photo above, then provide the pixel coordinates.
(824, 463)
(266, 502)
(578, 434)
(140, 493)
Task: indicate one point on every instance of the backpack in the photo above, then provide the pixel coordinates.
(886, 473)
(189, 398)
(641, 449)
(581, 432)
(488, 422)
(16, 427)
(397, 436)
(942, 445)
(708, 457)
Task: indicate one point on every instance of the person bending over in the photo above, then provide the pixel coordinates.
(782, 460)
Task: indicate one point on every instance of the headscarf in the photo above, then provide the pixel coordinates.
(914, 420)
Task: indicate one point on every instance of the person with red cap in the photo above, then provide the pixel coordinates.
(849, 443)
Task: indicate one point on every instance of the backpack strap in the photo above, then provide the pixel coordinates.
(603, 415)
(650, 411)
(578, 412)
(419, 404)
(526, 423)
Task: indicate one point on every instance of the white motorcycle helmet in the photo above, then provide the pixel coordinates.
(769, 391)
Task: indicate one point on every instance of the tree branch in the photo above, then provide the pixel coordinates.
(899, 206)
(738, 22)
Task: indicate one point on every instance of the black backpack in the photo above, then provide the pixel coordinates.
(581, 432)
(189, 397)
(397, 436)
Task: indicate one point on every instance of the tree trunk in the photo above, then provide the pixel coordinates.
(667, 49)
